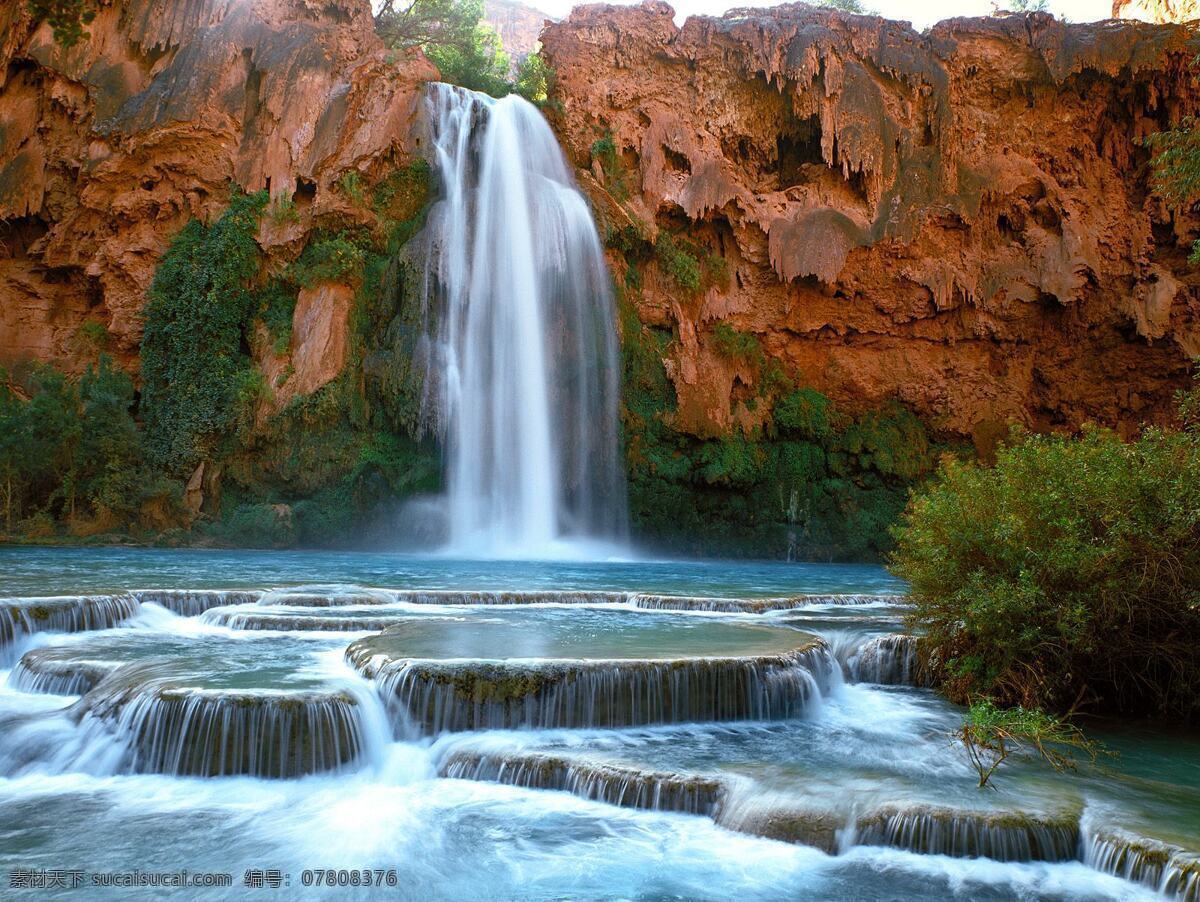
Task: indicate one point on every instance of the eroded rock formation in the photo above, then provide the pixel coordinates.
(108, 148)
(961, 219)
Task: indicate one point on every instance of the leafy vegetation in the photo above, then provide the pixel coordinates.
(1177, 167)
(817, 483)
(195, 370)
(67, 18)
(1067, 575)
(990, 735)
(70, 451)
(466, 51)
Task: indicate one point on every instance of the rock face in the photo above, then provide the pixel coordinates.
(108, 148)
(518, 25)
(961, 219)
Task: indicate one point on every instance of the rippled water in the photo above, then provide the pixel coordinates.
(838, 798)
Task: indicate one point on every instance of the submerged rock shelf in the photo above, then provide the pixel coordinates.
(1172, 871)
(892, 660)
(930, 830)
(182, 731)
(434, 697)
(21, 617)
(615, 785)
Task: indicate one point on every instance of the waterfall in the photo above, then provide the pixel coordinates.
(520, 352)
(428, 698)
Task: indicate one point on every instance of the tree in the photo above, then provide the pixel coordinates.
(1177, 167)
(424, 23)
(66, 17)
(466, 51)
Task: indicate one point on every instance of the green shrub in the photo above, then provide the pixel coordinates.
(328, 258)
(535, 79)
(198, 310)
(283, 210)
(350, 184)
(682, 267)
(256, 526)
(73, 450)
(1067, 574)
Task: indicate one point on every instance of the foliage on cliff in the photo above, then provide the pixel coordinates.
(466, 50)
(820, 483)
(71, 452)
(67, 18)
(196, 377)
(1177, 167)
(1067, 575)
(73, 455)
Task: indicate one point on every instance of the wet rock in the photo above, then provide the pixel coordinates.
(614, 784)
(433, 697)
(184, 731)
(64, 614)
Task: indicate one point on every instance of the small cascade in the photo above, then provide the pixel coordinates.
(50, 671)
(756, 816)
(888, 660)
(194, 602)
(21, 617)
(623, 786)
(180, 731)
(521, 347)
(336, 598)
(433, 697)
(1008, 836)
(756, 605)
(1172, 871)
(242, 619)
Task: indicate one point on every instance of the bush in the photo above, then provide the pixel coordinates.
(329, 258)
(73, 450)
(198, 311)
(1067, 574)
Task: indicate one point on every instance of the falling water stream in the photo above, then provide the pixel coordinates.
(522, 350)
(515, 729)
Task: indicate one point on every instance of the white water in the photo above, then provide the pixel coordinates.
(522, 353)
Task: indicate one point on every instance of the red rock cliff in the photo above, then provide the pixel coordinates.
(106, 149)
(961, 219)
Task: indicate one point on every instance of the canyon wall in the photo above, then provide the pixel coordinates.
(109, 147)
(962, 219)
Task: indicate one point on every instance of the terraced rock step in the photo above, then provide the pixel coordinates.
(193, 602)
(182, 731)
(301, 598)
(1001, 836)
(968, 834)
(58, 671)
(756, 605)
(243, 619)
(66, 614)
(437, 696)
(615, 785)
(1172, 871)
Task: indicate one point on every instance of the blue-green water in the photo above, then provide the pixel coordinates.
(68, 798)
(55, 571)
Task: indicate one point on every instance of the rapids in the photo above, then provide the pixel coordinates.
(548, 735)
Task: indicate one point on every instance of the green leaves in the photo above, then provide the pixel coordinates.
(67, 18)
(1064, 571)
(1176, 165)
(198, 312)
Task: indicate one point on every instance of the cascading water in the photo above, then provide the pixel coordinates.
(521, 353)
